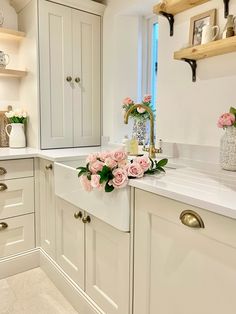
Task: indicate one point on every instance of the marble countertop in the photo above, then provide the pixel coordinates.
(196, 183)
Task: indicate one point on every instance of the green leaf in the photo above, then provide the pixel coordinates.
(105, 174)
(161, 169)
(162, 162)
(109, 188)
(232, 110)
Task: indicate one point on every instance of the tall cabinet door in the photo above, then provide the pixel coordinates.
(55, 36)
(47, 207)
(70, 241)
(107, 266)
(87, 73)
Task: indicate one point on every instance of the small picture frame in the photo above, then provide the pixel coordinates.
(196, 24)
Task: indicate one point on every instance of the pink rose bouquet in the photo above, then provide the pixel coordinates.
(139, 113)
(227, 119)
(112, 170)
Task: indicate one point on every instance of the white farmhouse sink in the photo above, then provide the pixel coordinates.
(113, 208)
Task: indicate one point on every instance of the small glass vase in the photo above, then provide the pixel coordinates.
(16, 135)
(140, 131)
(228, 149)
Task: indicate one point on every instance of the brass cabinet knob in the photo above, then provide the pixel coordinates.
(69, 78)
(3, 226)
(77, 79)
(191, 219)
(3, 187)
(2, 171)
(86, 219)
(78, 215)
(49, 167)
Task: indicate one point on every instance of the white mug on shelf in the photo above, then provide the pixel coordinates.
(208, 32)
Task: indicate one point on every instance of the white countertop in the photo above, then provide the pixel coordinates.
(199, 184)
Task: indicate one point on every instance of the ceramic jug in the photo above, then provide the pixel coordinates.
(4, 59)
(229, 29)
(16, 135)
(209, 33)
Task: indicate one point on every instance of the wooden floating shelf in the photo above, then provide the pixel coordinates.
(214, 48)
(176, 6)
(6, 33)
(12, 73)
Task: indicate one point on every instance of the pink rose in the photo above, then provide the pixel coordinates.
(120, 179)
(119, 155)
(135, 170)
(110, 162)
(128, 101)
(96, 166)
(147, 98)
(226, 119)
(122, 163)
(91, 158)
(86, 184)
(144, 162)
(95, 181)
(104, 155)
(141, 110)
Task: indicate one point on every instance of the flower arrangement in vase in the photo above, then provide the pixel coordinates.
(17, 121)
(227, 121)
(112, 170)
(140, 116)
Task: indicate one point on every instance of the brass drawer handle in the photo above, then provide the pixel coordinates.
(191, 219)
(3, 226)
(3, 187)
(69, 78)
(2, 171)
(49, 167)
(78, 215)
(86, 219)
(77, 80)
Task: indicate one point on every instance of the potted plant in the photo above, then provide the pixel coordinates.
(17, 121)
(227, 121)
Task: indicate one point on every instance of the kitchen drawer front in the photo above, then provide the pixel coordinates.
(16, 235)
(17, 198)
(217, 227)
(13, 169)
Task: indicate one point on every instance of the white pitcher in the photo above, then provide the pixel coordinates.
(17, 135)
(208, 33)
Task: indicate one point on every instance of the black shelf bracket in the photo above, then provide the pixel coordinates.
(171, 19)
(226, 3)
(193, 65)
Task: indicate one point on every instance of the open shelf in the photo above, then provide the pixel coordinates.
(6, 33)
(176, 6)
(12, 73)
(169, 8)
(214, 48)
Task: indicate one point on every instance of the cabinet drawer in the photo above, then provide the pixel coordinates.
(12, 169)
(217, 227)
(17, 198)
(16, 235)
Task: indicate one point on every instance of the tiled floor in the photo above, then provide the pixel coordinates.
(32, 293)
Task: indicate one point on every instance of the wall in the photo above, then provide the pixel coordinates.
(187, 112)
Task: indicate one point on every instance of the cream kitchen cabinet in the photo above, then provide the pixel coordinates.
(95, 255)
(178, 269)
(47, 207)
(70, 70)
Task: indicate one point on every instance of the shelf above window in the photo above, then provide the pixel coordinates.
(214, 48)
(176, 6)
(12, 73)
(6, 33)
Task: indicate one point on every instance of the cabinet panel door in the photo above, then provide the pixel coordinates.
(55, 66)
(47, 208)
(107, 267)
(70, 241)
(86, 67)
(179, 270)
